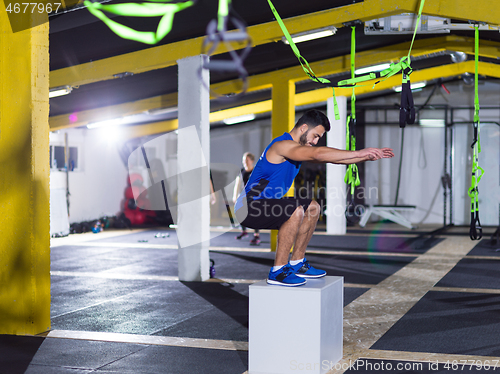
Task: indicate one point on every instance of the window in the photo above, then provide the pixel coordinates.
(57, 159)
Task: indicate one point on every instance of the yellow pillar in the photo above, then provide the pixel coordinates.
(24, 178)
(282, 120)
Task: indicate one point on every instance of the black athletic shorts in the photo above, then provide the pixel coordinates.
(269, 213)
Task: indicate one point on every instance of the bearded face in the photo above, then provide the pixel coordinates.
(303, 138)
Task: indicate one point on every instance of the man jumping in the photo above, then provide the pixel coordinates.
(262, 205)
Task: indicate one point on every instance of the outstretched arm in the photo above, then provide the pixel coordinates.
(293, 151)
(367, 154)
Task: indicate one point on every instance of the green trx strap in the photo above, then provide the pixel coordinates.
(352, 175)
(217, 33)
(402, 65)
(407, 108)
(222, 15)
(151, 9)
(475, 232)
(302, 60)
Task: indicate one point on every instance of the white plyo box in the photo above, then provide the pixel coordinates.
(296, 329)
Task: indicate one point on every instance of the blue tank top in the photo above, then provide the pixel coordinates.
(268, 180)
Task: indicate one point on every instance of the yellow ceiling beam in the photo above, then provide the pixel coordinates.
(264, 81)
(130, 132)
(71, 120)
(322, 94)
(167, 55)
(256, 108)
(390, 53)
(445, 71)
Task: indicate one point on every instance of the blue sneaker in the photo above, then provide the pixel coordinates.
(305, 270)
(284, 277)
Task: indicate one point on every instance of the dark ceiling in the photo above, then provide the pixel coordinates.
(77, 37)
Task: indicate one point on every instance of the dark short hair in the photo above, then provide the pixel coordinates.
(314, 118)
(249, 155)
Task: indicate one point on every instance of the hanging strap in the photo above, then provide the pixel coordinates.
(216, 34)
(407, 108)
(394, 68)
(165, 11)
(352, 174)
(476, 231)
(303, 62)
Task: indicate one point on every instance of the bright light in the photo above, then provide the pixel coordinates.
(310, 35)
(432, 122)
(239, 119)
(159, 111)
(372, 69)
(60, 91)
(414, 86)
(107, 123)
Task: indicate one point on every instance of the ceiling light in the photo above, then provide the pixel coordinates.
(468, 79)
(312, 34)
(372, 69)
(239, 119)
(414, 86)
(458, 56)
(107, 123)
(432, 122)
(160, 111)
(60, 91)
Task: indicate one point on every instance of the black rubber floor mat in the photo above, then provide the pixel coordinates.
(448, 322)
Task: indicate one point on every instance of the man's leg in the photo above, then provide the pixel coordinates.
(306, 231)
(287, 235)
(299, 265)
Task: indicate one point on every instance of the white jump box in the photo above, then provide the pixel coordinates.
(296, 329)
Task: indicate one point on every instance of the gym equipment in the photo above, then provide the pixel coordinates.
(475, 231)
(216, 34)
(155, 8)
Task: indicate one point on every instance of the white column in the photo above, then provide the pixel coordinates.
(193, 160)
(335, 186)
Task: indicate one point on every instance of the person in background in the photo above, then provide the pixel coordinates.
(248, 163)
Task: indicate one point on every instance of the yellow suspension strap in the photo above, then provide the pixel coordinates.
(475, 232)
(352, 175)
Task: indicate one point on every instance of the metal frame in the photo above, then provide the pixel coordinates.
(452, 130)
(447, 153)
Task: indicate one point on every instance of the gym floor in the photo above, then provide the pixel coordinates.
(413, 302)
